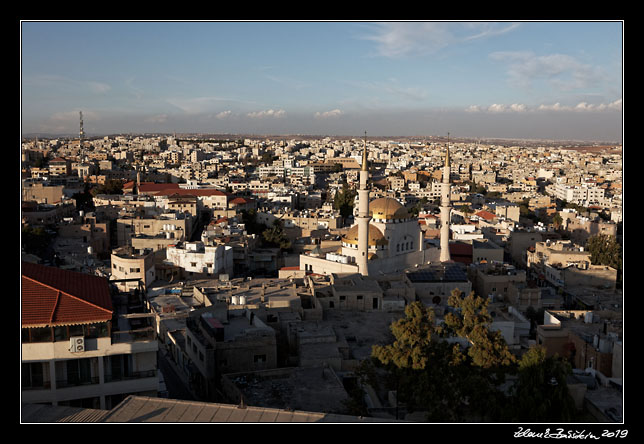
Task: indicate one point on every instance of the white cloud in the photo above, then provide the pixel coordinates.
(223, 114)
(521, 108)
(267, 113)
(398, 39)
(326, 114)
(496, 108)
(561, 71)
(517, 107)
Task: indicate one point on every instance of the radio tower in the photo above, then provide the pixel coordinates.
(81, 133)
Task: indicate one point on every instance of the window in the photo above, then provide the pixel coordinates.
(35, 374)
(117, 367)
(259, 358)
(79, 371)
(41, 334)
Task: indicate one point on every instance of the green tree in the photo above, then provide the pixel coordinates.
(111, 186)
(344, 199)
(432, 374)
(605, 250)
(413, 335)
(249, 218)
(541, 393)
(470, 319)
(422, 370)
(274, 236)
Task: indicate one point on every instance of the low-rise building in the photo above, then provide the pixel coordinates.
(132, 268)
(197, 259)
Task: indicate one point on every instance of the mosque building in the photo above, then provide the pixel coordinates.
(386, 238)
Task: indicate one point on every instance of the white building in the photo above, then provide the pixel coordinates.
(197, 258)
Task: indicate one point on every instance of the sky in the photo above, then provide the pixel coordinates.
(549, 80)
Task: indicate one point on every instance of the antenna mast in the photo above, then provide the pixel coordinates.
(81, 133)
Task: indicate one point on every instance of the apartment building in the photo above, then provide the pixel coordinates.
(134, 268)
(580, 195)
(238, 341)
(78, 346)
(197, 259)
(60, 167)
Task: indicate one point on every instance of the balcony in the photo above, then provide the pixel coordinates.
(131, 375)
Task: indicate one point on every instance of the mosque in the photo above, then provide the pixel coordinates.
(386, 238)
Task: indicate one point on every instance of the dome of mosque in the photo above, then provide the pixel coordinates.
(376, 238)
(387, 208)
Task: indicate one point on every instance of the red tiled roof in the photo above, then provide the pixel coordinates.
(149, 187)
(51, 296)
(485, 215)
(240, 200)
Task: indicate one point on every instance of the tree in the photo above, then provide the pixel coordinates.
(274, 236)
(421, 369)
(413, 338)
(470, 319)
(35, 240)
(604, 250)
(434, 375)
(541, 393)
(557, 220)
(343, 200)
(111, 186)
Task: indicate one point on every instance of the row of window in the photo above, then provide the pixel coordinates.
(64, 332)
(121, 269)
(75, 372)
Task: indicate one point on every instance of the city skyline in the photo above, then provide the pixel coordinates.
(523, 80)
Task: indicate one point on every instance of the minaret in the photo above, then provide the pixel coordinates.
(445, 208)
(363, 215)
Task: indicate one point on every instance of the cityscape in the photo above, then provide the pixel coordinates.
(293, 241)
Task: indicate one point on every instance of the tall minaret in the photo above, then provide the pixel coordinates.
(363, 215)
(445, 208)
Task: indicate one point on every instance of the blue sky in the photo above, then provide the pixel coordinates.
(544, 80)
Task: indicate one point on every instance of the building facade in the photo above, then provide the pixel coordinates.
(77, 348)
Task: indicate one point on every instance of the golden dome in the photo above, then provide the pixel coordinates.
(376, 238)
(387, 208)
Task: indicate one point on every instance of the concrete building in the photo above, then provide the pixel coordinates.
(133, 268)
(495, 280)
(434, 283)
(197, 259)
(79, 345)
(216, 345)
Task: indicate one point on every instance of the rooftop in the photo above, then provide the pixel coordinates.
(53, 296)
